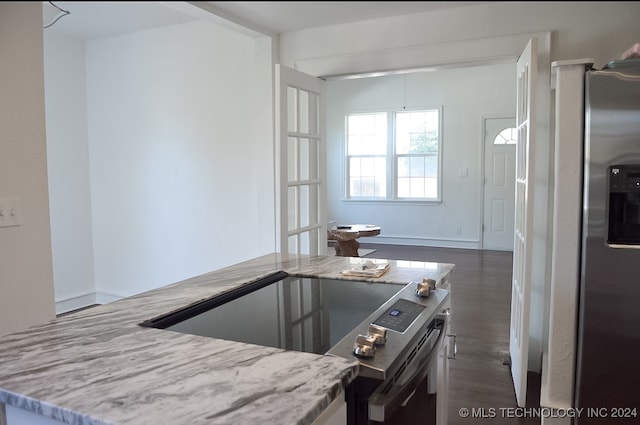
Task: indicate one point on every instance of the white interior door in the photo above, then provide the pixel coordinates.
(523, 236)
(500, 136)
(300, 163)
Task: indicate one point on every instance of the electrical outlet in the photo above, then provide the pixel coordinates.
(458, 230)
(9, 212)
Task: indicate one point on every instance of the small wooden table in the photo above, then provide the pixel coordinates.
(345, 237)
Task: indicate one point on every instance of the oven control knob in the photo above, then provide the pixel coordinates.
(365, 346)
(424, 288)
(379, 333)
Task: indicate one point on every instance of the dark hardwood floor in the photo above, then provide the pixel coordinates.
(480, 379)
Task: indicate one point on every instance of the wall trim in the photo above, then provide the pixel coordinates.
(106, 297)
(422, 241)
(80, 301)
(439, 55)
(75, 302)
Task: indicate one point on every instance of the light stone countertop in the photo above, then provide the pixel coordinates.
(98, 366)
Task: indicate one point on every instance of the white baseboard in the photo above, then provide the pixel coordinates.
(85, 300)
(418, 241)
(75, 302)
(106, 297)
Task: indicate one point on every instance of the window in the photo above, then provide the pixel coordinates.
(508, 136)
(394, 155)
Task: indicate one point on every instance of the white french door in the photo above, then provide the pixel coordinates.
(527, 70)
(300, 163)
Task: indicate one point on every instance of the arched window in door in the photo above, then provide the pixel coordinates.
(508, 136)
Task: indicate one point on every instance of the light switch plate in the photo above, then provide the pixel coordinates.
(9, 212)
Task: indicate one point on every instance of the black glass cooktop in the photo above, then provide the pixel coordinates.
(294, 313)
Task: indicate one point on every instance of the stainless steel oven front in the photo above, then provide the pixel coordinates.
(398, 347)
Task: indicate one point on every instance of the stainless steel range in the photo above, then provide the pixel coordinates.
(395, 331)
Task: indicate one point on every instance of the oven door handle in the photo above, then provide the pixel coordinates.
(381, 406)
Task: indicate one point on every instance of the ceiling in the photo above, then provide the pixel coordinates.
(280, 17)
(98, 19)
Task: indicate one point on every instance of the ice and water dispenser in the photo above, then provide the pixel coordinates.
(624, 205)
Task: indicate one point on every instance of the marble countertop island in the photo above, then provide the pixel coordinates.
(98, 366)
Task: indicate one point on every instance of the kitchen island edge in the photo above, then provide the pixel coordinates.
(98, 366)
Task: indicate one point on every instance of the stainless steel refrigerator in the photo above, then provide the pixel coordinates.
(608, 350)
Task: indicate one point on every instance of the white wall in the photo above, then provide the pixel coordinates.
(26, 276)
(467, 95)
(167, 177)
(68, 168)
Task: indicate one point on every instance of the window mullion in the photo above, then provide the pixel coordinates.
(391, 157)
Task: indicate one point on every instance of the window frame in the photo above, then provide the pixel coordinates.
(391, 158)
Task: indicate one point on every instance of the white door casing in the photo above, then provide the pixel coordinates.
(523, 225)
(498, 187)
(301, 226)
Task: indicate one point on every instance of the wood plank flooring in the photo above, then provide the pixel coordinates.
(480, 379)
